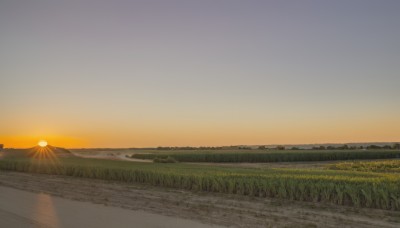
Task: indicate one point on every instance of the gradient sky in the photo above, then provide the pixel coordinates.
(176, 73)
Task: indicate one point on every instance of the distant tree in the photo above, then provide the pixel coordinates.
(294, 148)
(280, 148)
(1, 146)
(396, 146)
(331, 148)
(387, 147)
(352, 147)
(164, 148)
(361, 147)
(344, 147)
(261, 147)
(244, 148)
(318, 148)
(373, 147)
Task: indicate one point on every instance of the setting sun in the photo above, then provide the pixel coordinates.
(42, 143)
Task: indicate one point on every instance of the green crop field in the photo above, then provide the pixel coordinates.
(390, 166)
(270, 156)
(361, 189)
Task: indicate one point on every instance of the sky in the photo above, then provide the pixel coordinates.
(96, 73)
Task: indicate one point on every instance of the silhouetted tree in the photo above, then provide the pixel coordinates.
(244, 148)
(374, 147)
(280, 148)
(164, 148)
(344, 147)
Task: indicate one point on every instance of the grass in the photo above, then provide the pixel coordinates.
(361, 189)
(271, 156)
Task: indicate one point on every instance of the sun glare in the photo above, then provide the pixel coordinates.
(42, 143)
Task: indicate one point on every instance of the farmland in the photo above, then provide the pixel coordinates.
(268, 155)
(387, 166)
(354, 188)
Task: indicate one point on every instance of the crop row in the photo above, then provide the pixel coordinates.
(365, 190)
(390, 166)
(290, 156)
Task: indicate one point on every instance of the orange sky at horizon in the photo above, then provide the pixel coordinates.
(217, 127)
(216, 135)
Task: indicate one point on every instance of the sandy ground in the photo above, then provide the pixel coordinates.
(26, 209)
(201, 208)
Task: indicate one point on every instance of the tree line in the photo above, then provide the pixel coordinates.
(395, 146)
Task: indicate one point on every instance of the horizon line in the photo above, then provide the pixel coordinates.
(237, 145)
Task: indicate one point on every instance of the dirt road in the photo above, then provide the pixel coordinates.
(26, 209)
(160, 207)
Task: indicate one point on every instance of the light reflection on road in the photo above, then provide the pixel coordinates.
(44, 211)
(39, 210)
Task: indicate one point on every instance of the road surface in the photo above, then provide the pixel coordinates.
(22, 209)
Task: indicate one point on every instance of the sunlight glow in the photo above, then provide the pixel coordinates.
(42, 143)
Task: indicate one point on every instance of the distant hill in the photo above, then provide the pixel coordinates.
(38, 152)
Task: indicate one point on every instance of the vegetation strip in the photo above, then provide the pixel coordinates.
(362, 189)
(389, 166)
(272, 156)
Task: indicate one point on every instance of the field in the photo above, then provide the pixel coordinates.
(238, 156)
(387, 166)
(342, 187)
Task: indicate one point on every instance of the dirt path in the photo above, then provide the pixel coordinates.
(207, 208)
